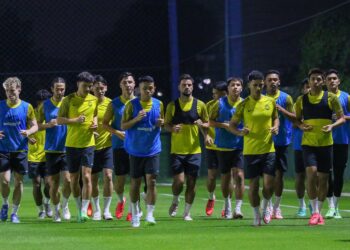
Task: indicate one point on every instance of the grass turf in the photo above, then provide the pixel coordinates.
(174, 233)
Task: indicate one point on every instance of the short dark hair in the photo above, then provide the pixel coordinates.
(220, 86)
(315, 71)
(85, 77)
(234, 78)
(125, 74)
(146, 79)
(186, 77)
(255, 75)
(332, 71)
(57, 80)
(42, 95)
(100, 79)
(272, 71)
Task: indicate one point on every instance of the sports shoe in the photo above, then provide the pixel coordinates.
(150, 220)
(301, 212)
(66, 213)
(89, 210)
(57, 217)
(187, 217)
(84, 217)
(257, 220)
(119, 210)
(277, 214)
(135, 222)
(48, 210)
(228, 214)
(267, 216)
(128, 217)
(96, 216)
(15, 218)
(330, 213)
(41, 215)
(314, 219)
(237, 215)
(320, 220)
(107, 216)
(173, 209)
(4, 212)
(337, 214)
(209, 209)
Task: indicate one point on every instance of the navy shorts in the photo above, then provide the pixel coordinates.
(103, 158)
(229, 160)
(36, 169)
(299, 162)
(320, 157)
(188, 164)
(14, 161)
(281, 162)
(121, 162)
(257, 165)
(212, 159)
(140, 166)
(56, 162)
(79, 157)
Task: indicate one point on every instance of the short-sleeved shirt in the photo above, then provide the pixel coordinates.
(104, 140)
(128, 111)
(258, 117)
(316, 137)
(36, 152)
(187, 140)
(214, 114)
(79, 135)
(211, 130)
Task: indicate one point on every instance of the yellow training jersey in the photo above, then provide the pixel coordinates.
(187, 140)
(104, 140)
(36, 152)
(79, 135)
(258, 117)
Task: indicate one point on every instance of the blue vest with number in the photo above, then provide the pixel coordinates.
(284, 136)
(223, 138)
(56, 136)
(143, 139)
(12, 121)
(341, 133)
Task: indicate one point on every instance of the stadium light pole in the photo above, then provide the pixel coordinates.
(174, 47)
(233, 46)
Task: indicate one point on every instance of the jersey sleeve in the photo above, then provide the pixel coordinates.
(214, 111)
(63, 111)
(169, 113)
(290, 105)
(31, 113)
(203, 113)
(127, 112)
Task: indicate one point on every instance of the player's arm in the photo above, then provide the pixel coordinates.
(169, 114)
(289, 110)
(32, 123)
(298, 121)
(41, 119)
(235, 120)
(160, 120)
(213, 115)
(337, 109)
(127, 120)
(347, 117)
(62, 117)
(108, 117)
(275, 120)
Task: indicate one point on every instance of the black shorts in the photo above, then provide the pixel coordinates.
(299, 162)
(229, 160)
(140, 166)
(56, 163)
(79, 157)
(14, 161)
(281, 162)
(36, 169)
(211, 158)
(188, 164)
(257, 165)
(320, 157)
(103, 158)
(121, 162)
